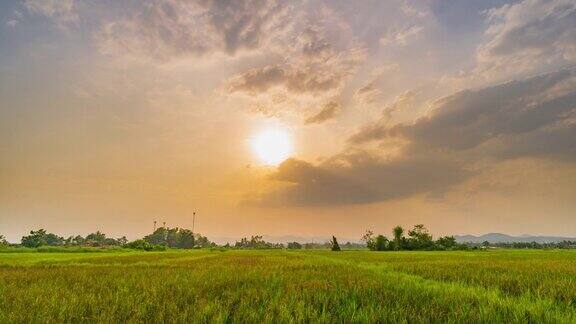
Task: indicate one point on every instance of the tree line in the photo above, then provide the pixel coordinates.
(160, 239)
(417, 238)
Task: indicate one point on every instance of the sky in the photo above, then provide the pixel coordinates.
(305, 118)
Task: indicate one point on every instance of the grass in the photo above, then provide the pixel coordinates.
(289, 286)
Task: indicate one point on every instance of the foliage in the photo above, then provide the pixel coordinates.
(398, 233)
(177, 238)
(368, 237)
(3, 241)
(294, 246)
(335, 246)
(418, 239)
(140, 245)
(42, 238)
(530, 245)
(446, 243)
(381, 243)
(256, 242)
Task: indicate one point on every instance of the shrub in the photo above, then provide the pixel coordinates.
(294, 246)
(140, 245)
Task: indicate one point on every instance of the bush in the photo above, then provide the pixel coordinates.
(294, 246)
(381, 243)
(141, 245)
(335, 245)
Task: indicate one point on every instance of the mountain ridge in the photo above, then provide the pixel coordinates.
(505, 238)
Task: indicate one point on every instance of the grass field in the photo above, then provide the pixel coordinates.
(289, 286)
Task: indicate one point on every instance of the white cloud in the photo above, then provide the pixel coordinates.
(169, 29)
(61, 11)
(531, 36)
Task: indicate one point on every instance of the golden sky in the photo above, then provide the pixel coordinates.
(305, 118)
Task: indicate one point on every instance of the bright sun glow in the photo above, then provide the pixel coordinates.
(272, 146)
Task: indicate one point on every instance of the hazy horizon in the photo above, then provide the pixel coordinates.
(308, 118)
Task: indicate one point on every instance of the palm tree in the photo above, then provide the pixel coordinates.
(335, 245)
(398, 232)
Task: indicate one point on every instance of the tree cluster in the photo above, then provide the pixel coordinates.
(42, 238)
(180, 238)
(531, 245)
(294, 246)
(256, 242)
(418, 239)
(160, 239)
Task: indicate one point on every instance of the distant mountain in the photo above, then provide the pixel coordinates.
(505, 238)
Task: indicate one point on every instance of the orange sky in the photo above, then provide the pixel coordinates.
(459, 115)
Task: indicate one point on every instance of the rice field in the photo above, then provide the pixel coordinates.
(280, 286)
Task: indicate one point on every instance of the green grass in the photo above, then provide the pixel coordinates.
(289, 286)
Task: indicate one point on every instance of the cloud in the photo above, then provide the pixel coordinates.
(402, 36)
(313, 68)
(528, 37)
(464, 133)
(368, 93)
(12, 23)
(529, 117)
(62, 12)
(360, 178)
(169, 29)
(378, 129)
(328, 112)
(313, 72)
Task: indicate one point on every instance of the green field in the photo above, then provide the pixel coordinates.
(289, 286)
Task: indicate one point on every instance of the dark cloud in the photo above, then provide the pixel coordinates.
(530, 118)
(535, 111)
(300, 75)
(313, 72)
(535, 107)
(361, 178)
(328, 112)
(293, 79)
(378, 129)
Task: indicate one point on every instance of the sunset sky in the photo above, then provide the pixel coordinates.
(306, 118)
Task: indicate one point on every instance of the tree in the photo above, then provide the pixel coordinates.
(3, 241)
(202, 241)
(398, 233)
(446, 243)
(368, 237)
(186, 239)
(420, 238)
(158, 237)
(78, 240)
(294, 246)
(381, 243)
(335, 246)
(256, 242)
(53, 239)
(95, 239)
(35, 239)
(140, 245)
(172, 237)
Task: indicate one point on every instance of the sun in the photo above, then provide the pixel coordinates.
(272, 146)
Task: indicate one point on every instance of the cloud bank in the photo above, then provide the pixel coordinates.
(529, 118)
